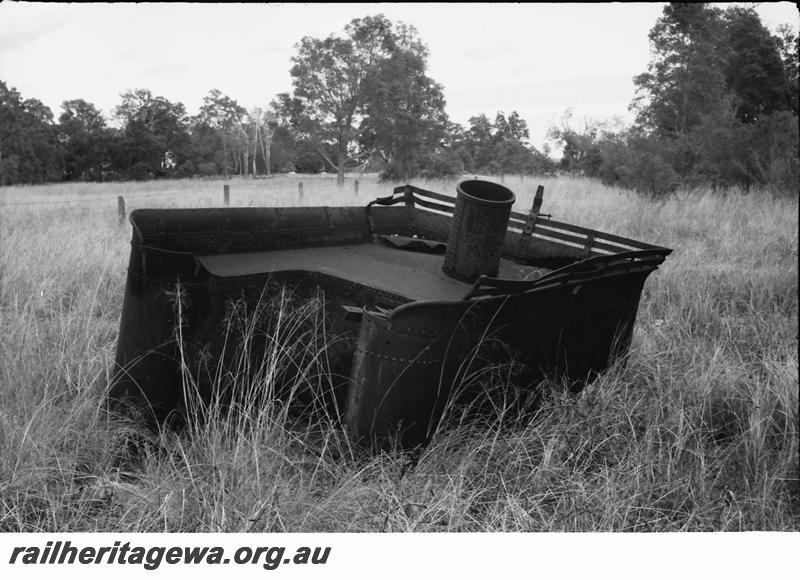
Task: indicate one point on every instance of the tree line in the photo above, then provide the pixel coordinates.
(718, 105)
(361, 100)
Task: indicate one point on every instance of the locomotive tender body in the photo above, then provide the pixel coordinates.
(555, 298)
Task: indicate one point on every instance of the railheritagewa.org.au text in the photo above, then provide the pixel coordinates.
(153, 557)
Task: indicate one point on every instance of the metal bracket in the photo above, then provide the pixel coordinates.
(353, 313)
(530, 222)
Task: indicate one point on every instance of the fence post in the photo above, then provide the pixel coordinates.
(121, 209)
(300, 188)
(226, 194)
(355, 186)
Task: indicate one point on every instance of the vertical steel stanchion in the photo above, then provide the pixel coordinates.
(226, 195)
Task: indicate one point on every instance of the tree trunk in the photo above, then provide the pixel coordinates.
(255, 146)
(225, 157)
(266, 144)
(340, 159)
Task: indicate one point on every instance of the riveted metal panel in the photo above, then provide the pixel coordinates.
(400, 361)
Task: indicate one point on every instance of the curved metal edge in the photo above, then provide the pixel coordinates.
(404, 377)
(400, 384)
(540, 284)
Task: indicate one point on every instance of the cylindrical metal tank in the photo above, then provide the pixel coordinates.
(480, 219)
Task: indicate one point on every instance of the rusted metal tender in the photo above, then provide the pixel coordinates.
(423, 290)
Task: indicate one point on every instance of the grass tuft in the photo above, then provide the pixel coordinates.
(698, 431)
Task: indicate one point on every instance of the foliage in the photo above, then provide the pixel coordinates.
(498, 148)
(717, 106)
(85, 140)
(217, 119)
(207, 168)
(28, 146)
(685, 77)
(637, 161)
(754, 71)
(774, 152)
(155, 134)
(366, 93)
(789, 47)
(404, 119)
(580, 151)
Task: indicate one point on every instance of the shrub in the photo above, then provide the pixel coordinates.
(139, 171)
(207, 169)
(639, 162)
(185, 169)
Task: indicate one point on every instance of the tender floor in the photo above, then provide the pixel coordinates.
(413, 274)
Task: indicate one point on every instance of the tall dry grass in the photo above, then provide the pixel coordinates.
(698, 431)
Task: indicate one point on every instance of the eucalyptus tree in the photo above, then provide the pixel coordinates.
(789, 47)
(685, 78)
(501, 147)
(351, 91)
(404, 122)
(85, 140)
(719, 83)
(156, 133)
(223, 115)
(754, 71)
(29, 150)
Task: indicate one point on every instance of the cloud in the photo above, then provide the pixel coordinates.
(523, 69)
(166, 69)
(272, 48)
(551, 93)
(127, 54)
(24, 27)
(488, 51)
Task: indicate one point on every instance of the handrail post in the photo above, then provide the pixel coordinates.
(530, 223)
(408, 194)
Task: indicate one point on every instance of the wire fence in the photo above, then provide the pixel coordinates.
(284, 191)
(106, 198)
(293, 192)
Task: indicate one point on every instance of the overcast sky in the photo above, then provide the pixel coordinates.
(537, 59)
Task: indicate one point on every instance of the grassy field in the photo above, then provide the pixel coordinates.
(699, 431)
